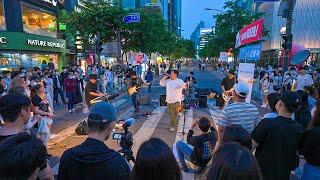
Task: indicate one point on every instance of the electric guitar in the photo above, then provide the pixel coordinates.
(227, 95)
(133, 89)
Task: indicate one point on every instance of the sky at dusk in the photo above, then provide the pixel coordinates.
(194, 10)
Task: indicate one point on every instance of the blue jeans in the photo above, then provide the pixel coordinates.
(110, 87)
(184, 152)
(135, 100)
(71, 99)
(310, 172)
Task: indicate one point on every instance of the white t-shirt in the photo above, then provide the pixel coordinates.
(302, 81)
(173, 90)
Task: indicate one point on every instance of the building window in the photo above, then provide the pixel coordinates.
(38, 21)
(2, 17)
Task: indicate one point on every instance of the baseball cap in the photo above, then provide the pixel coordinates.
(241, 89)
(231, 71)
(102, 112)
(93, 76)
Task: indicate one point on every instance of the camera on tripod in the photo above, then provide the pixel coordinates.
(126, 140)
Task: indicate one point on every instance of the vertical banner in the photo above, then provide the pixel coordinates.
(245, 75)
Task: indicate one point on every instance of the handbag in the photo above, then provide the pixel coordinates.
(82, 128)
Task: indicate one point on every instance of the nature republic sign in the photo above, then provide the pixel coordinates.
(30, 42)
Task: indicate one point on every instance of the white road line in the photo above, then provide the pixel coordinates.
(188, 122)
(147, 129)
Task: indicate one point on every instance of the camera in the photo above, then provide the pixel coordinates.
(126, 140)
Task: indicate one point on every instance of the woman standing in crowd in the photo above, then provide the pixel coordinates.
(273, 99)
(41, 107)
(70, 85)
(309, 147)
(233, 161)
(303, 115)
(48, 88)
(155, 161)
(78, 97)
(312, 96)
(265, 88)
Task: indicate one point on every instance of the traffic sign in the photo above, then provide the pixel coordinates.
(131, 18)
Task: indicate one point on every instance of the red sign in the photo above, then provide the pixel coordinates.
(250, 33)
(138, 58)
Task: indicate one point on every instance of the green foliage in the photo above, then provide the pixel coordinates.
(151, 35)
(228, 24)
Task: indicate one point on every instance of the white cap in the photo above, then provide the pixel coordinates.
(241, 89)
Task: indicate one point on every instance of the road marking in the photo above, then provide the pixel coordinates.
(147, 129)
(189, 119)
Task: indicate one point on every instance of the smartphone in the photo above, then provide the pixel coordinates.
(117, 136)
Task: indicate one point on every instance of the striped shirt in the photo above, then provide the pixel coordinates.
(240, 113)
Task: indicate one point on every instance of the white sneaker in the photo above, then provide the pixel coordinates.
(53, 136)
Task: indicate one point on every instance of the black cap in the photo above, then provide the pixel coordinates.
(231, 71)
(93, 76)
(291, 100)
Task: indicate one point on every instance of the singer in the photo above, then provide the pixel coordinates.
(174, 97)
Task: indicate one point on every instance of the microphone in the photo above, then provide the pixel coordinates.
(129, 122)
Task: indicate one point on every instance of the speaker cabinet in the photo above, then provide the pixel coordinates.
(203, 101)
(163, 100)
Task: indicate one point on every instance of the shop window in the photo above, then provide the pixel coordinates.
(38, 21)
(2, 17)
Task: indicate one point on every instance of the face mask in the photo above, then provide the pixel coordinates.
(72, 77)
(28, 82)
(27, 92)
(64, 70)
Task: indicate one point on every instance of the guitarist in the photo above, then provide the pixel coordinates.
(228, 83)
(133, 90)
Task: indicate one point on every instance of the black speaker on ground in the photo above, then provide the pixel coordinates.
(219, 101)
(203, 101)
(163, 100)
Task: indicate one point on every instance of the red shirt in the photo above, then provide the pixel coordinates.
(70, 85)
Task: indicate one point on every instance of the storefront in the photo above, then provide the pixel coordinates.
(29, 50)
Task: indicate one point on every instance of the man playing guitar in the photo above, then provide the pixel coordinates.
(227, 85)
(133, 90)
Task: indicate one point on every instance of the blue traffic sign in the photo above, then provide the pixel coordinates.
(132, 18)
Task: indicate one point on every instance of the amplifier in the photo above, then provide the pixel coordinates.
(163, 100)
(203, 101)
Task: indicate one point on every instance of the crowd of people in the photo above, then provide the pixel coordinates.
(238, 145)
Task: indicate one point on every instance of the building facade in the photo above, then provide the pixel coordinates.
(29, 34)
(305, 27)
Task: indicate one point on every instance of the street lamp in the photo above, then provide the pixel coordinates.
(210, 9)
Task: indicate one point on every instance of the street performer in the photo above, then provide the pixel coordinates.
(174, 97)
(227, 85)
(91, 90)
(133, 90)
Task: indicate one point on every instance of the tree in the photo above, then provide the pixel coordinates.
(100, 23)
(228, 24)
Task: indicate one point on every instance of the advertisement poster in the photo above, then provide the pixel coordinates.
(251, 33)
(250, 53)
(246, 73)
